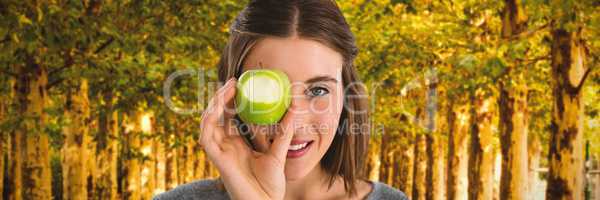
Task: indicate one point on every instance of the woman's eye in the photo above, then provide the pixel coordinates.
(318, 91)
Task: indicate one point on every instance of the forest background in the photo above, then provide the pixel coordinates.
(471, 99)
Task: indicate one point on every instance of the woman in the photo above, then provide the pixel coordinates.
(317, 150)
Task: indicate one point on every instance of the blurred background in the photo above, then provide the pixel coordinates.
(470, 99)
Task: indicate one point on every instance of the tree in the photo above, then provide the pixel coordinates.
(31, 99)
(107, 149)
(457, 149)
(420, 167)
(75, 148)
(435, 153)
(569, 72)
(481, 155)
(513, 110)
(133, 184)
(5, 150)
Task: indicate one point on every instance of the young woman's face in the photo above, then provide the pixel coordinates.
(317, 97)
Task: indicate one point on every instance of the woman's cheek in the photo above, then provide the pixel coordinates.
(325, 126)
(329, 104)
(320, 106)
(327, 118)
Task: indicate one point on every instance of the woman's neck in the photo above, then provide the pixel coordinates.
(315, 185)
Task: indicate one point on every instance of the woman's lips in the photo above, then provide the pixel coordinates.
(298, 148)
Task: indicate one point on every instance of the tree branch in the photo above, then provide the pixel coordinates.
(104, 45)
(588, 70)
(585, 75)
(54, 83)
(527, 33)
(68, 60)
(55, 71)
(534, 60)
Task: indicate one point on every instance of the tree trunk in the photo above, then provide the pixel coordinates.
(513, 113)
(566, 175)
(190, 158)
(388, 158)
(181, 154)
(513, 141)
(373, 163)
(458, 152)
(434, 148)
(420, 167)
(435, 171)
(15, 161)
(406, 157)
(396, 182)
(201, 166)
(15, 185)
(91, 166)
(481, 158)
(4, 136)
(34, 145)
(149, 160)
(107, 149)
(74, 150)
(198, 160)
(160, 157)
(133, 185)
(386, 162)
(171, 155)
(171, 168)
(535, 151)
(497, 173)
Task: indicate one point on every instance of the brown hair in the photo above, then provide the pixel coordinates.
(322, 21)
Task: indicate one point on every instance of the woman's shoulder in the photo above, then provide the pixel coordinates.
(383, 191)
(201, 189)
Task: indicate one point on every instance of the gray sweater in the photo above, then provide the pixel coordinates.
(207, 189)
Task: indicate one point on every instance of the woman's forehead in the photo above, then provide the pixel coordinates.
(300, 59)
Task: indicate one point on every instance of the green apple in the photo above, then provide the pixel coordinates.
(263, 96)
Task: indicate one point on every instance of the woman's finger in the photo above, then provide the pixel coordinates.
(233, 136)
(217, 104)
(213, 112)
(282, 140)
(206, 134)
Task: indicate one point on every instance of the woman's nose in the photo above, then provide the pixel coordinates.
(300, 107)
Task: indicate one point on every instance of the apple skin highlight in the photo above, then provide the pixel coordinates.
(252, 111)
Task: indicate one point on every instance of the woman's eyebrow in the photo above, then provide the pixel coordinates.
(320, 79)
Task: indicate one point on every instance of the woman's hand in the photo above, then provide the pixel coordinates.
(247, 174)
